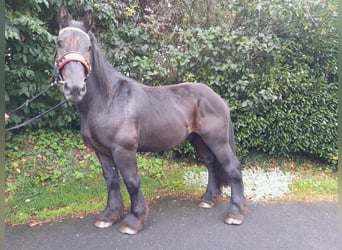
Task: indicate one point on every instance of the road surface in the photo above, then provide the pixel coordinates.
(179, 224)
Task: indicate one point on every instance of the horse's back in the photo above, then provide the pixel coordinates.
(185, 98)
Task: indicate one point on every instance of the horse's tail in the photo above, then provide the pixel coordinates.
(221, 176)
(231, 136)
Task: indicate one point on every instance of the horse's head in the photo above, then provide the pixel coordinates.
(73, 53)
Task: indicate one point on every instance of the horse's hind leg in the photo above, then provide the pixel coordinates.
(114, 209)
(232, 167)
(213, 189)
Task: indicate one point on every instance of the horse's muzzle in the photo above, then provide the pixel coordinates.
(74, 90)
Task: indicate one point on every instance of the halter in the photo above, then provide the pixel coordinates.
(72, 56)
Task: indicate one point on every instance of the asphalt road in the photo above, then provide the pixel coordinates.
(179, 224)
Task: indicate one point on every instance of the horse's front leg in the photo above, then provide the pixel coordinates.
(126, 161)
(114, 209)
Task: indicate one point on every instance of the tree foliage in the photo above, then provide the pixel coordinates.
(275, 62)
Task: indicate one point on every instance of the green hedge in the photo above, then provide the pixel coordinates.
(275, 62)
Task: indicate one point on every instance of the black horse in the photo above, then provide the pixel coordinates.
(120, 117)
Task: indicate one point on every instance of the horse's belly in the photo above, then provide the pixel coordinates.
(161, 141)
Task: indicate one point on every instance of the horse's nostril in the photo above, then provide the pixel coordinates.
(66, 86)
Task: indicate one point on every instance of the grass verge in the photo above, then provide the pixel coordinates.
(314, 187)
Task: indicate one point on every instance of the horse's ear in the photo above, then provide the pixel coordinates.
(63, 17)
(88, 21)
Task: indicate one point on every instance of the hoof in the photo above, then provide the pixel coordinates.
(127, 230)
(103, 224)
(204, 204)
(234, 219)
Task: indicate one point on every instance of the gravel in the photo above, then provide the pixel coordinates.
(259, 184)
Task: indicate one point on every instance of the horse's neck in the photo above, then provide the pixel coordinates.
(101, 84)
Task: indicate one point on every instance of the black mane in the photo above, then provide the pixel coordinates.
(104, 72)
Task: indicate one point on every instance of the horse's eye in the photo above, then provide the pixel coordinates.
(59, 43)
(89, 49)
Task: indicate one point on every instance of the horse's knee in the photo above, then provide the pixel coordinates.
(132, 184)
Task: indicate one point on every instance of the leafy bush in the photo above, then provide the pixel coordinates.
(282, 90)
(274, 62)
(29, 61)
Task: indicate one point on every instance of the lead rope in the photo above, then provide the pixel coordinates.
(37, 117)
(26, 103)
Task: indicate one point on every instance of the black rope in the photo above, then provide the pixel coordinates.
(37, 117)
(26, 103)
